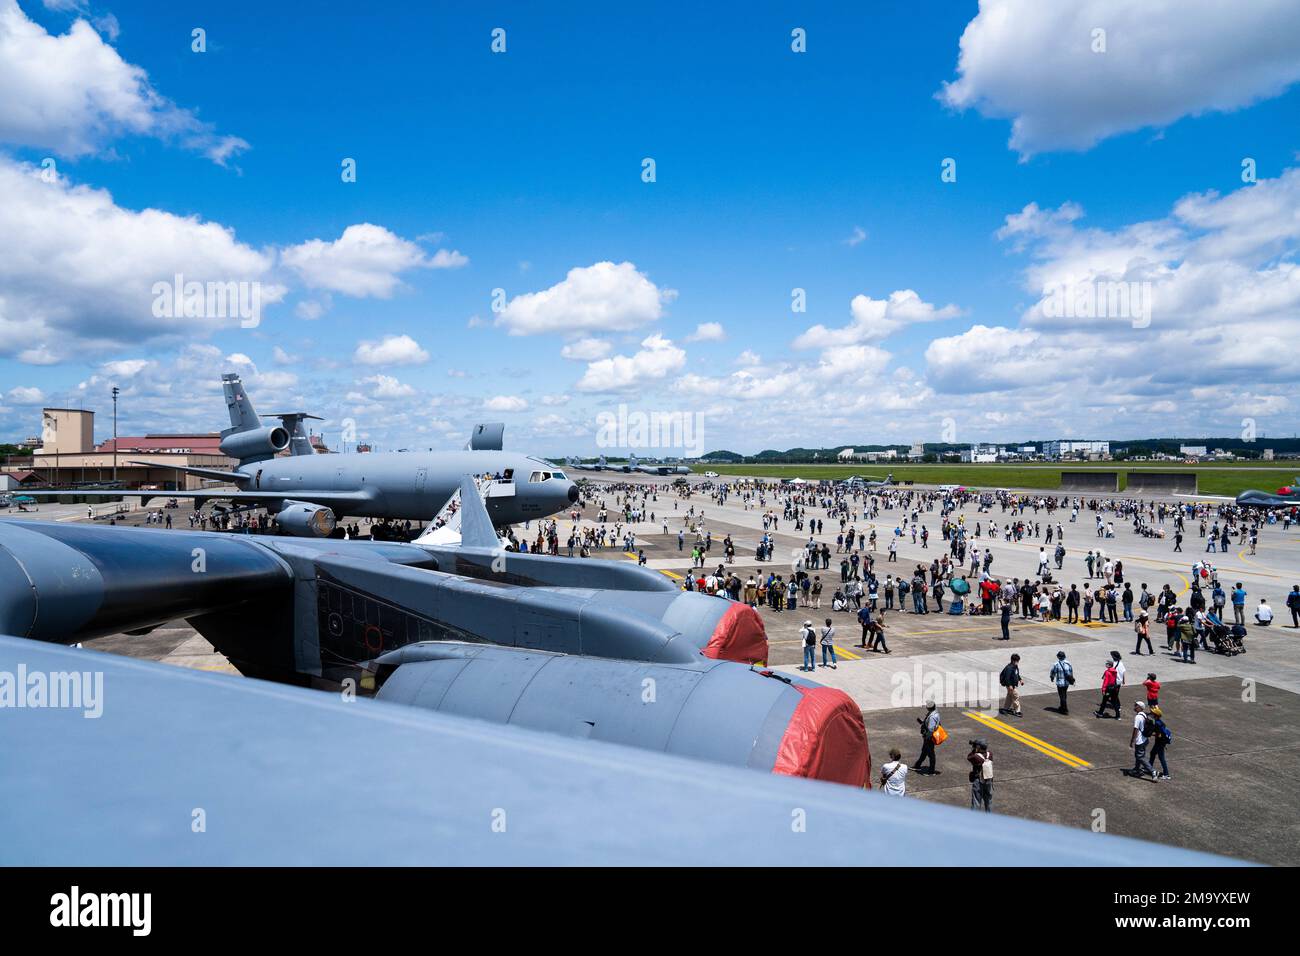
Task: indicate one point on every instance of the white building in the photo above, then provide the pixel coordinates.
(1066, 448)
(846, 454)
(1192, 451)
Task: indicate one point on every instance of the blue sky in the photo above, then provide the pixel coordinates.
(775, 170)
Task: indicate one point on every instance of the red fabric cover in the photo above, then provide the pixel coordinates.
(738, 636)
(826, 739)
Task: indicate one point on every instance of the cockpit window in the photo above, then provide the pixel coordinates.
(560, 475)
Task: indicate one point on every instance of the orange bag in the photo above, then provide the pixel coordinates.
(939, 735)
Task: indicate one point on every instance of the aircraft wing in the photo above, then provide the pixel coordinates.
(169, 744)
(214, 473)
(338, 500)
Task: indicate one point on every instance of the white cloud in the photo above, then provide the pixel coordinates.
(858, 237)
(586, 350)
(555, 400)
(77, 271)
(876, 319)
(312, 309)
(603, 297)
(73, 93)
(124, 368)
(505, 403)
(448, 259)
(385, 386)
(657, 358)
(708, 332)
(364, 261)
(749, 357)
(281, 357)
(1033, 61)
(391, 350)
(25, 395)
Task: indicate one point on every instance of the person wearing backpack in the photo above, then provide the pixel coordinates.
(1142, 627)
(1062, 675)
(1162, 738)
(1143, 728)
(929, 725)
(809, 637)
(1010, 679)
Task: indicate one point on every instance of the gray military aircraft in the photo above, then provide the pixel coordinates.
(573, 464)
(309, 493)
(654, 469)
(592, 696)
(1287, 496)
(859, 483)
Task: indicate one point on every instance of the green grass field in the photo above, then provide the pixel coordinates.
(1219, 478)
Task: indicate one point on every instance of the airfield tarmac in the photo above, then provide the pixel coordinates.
(1236, 720)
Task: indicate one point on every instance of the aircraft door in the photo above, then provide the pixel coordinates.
(420, 475)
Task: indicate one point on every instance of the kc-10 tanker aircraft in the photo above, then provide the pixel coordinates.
(620, 719)
(309, 493)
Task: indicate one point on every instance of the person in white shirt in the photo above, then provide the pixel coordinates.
(1263, 614)
(1119, 668)
(1141, 766)
(828, 645)
(893, 775)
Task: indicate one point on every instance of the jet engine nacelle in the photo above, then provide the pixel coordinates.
(304, 520)
(257, 444)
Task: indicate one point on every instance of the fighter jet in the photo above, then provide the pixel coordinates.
(1288, 496)
(308, 494)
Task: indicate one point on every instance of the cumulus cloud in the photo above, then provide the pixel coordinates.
(25, 395)
(876, 319)
(72, 93)
(390, 350)
(505, 403)
(586, 350)
(1034, 62)
(385, 386)
(603, 297)
(708, 332)
(657, 358)
(857, 237)
(79, 272)
(363, 262)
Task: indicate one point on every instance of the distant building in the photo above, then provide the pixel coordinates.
(982, 453)
(1193, 451)
(846, 454)
(1076, 449)
(1268, 454)
(917, 451)
(69, 456)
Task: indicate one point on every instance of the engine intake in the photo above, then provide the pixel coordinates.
(304, 520)
(256, 445)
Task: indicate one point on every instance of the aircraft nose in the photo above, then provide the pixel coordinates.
(573, 493)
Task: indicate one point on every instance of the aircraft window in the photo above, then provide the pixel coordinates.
(535, 476)
(559, 474)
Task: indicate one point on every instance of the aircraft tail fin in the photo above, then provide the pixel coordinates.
(242, 416)
(631, 460)
(476, 528)
(602, 461)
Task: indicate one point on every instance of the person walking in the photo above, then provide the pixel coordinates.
(1109, 692)
(1062, 675)
(1161, 738)
(1143, 727)
(1006, 621)
(929, 724)
(1293, 604)
(1143, 629)
(1010, 679)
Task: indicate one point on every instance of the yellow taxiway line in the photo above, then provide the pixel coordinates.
(1042, 746)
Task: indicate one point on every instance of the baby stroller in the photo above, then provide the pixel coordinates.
(1228, 639)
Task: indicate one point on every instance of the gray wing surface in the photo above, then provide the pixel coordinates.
(169, 742)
